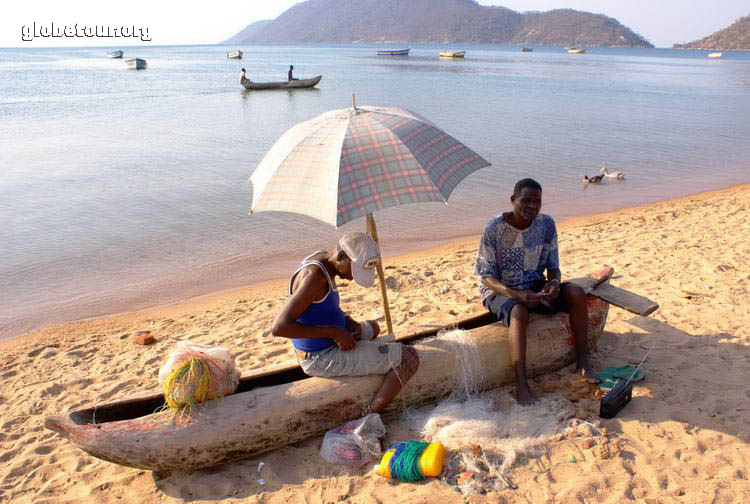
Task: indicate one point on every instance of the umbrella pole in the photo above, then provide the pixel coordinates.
(373, 232)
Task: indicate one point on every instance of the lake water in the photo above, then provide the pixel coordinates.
(124, 189)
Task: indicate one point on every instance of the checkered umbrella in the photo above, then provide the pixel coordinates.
(348, 163)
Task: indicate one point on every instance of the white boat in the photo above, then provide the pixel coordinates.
(136, 64)
(715, 55)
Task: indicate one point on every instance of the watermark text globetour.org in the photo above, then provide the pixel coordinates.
(29, 33)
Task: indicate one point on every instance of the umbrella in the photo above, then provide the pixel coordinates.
(348, 163)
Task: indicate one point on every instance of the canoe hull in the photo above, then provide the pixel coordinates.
(136, 64)
(237, 427)
(576, 51)
(452, 54)
(402, 52)
(295, 84)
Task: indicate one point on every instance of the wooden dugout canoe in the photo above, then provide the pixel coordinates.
(294, 84)
(278, 406)
(452, 54)
(398, 52)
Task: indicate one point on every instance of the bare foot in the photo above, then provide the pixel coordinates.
(584, 369)
(524, 395)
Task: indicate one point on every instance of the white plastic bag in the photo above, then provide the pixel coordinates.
(217, 367)
(354, 443)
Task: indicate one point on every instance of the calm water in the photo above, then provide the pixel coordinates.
(121, 190)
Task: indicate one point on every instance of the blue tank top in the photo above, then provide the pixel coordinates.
(323, 312)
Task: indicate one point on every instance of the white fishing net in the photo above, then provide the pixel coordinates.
(484, 435)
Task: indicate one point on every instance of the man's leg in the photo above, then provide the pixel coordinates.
(575, 298)
(519, 320)
(395, 379)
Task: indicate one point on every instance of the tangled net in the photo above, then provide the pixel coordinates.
(196, 373)
(484, 438)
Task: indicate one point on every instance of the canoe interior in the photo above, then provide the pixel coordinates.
(140, 406)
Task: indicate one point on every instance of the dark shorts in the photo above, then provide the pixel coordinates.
(501, 306)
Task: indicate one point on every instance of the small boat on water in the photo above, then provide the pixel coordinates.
(575, 50)
(401, 52)
(293, 84)
(235, 55)
(452, 54)
(715, 55)
(114, 54)
(136, 63)
(527, 49)
(276, 406)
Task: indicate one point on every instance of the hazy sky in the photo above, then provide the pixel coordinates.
(663, 22)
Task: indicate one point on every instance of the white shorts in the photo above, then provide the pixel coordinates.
(368, 357)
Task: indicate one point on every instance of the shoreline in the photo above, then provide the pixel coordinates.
(265, 287)
(689, 254)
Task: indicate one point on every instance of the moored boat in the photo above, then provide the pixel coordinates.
(136, 63)
(575, 50)
(277, 406)
(527, 49)
(293, 84)
(452, 54)
(400, 52)
(715, 55)
(114, 54)
(235, 55)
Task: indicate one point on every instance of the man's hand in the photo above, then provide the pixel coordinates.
(529, 297)
(354, 327)
(551, 290)
(345, 339)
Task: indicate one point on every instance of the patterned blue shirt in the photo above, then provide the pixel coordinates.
(518, 258)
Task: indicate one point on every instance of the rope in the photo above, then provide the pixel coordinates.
(404, 465)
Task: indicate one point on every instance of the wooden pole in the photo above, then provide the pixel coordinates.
(354, 103)
(373, 232)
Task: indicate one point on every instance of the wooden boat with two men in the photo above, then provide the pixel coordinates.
(292, 84)
(276, 406)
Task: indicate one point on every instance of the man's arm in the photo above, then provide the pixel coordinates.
(285, 324)
(552, 287)
(527, 297)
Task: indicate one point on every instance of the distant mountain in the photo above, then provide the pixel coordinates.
(248, 32)
(736, 36)
(438, 21)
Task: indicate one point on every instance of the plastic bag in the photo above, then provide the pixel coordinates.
(354, 443)
(195, 373)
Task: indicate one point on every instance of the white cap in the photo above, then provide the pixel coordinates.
(364, 253)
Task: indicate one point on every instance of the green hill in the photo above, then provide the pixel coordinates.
(438, 21)
(736, 36)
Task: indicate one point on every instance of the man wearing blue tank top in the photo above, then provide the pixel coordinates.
(327, 341)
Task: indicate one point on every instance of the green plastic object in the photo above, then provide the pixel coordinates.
(611, 375)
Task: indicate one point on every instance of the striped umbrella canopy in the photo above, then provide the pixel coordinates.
(347, 163)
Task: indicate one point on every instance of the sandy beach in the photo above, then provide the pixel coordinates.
(684, 438)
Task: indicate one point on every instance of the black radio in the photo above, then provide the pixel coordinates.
(616, 399)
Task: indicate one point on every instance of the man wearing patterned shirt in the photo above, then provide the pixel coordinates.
(516, 250)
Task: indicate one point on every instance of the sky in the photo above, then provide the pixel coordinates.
(662, 22)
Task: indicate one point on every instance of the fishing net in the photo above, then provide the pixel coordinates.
(485, 437)
(195, 373)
